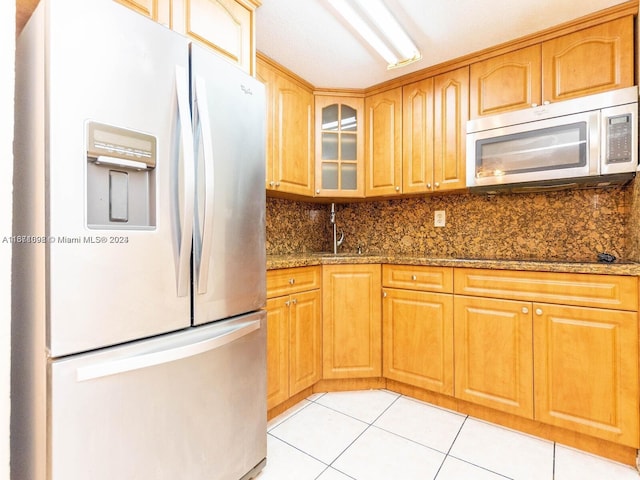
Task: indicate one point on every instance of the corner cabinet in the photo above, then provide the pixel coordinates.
(289, 148)
(351, 309)
(339, 146)
(294, 332)
(582, 63)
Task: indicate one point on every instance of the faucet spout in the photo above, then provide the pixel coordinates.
(332, 219)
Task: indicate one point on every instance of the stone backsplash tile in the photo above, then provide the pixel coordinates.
(566, 225)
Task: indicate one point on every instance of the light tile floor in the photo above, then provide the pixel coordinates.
(381, 435)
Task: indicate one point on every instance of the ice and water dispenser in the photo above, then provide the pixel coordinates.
(121, 177)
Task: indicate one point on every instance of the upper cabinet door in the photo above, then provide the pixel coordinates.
(157, 10)
(506, 82)
(225, 26)
(383, 143)
(417, 137)
(289, 139)
(451, 106)
(339, 146)
(588, 61)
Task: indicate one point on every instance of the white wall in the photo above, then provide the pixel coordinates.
(7, 53)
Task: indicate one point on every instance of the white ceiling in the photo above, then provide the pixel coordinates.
(309, 38)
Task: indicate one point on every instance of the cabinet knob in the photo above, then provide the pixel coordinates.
(534, 105)
(546, 102)
(294, 301)
(437, 184)
(318, 192)
(287, 303)
(414, 278)
(292, 281)
(525, 310)
(272, 183)
(429, 185)
(397, 189)
(277, 184)
(538, 311)
(384, 294)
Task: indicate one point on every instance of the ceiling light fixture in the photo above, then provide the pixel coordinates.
(373, 21)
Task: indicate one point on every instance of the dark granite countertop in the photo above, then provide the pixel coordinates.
(275, 262)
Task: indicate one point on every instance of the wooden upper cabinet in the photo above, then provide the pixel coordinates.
(157, 10)
(225, 26)
(451, 112)
(417, 137)
(289, 142)
(339, 135)
(383, 143)
(506, 82)
(588, 61)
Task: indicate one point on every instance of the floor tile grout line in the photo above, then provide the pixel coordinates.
(289, 417)
(369, 425)
(299, 450)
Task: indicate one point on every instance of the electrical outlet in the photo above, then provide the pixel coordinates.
(439, 219)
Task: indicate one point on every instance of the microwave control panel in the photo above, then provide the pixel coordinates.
(619, 138)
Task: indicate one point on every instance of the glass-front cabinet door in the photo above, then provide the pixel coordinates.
(339, 146)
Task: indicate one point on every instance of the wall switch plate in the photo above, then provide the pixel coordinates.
(439, 219)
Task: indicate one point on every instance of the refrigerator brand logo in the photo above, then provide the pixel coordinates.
(246, 90)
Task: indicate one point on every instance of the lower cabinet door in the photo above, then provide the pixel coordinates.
(352, 311)
(305, 337)
(586, 371)
(494, 353)
(277, 350)
(417, 339)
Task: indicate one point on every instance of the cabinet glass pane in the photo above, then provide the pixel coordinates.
(330, 117)
(349, 176)
(348, 147)
(329, 146)
(349, 120)
(330, 175)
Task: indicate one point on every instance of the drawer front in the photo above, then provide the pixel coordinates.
(603, 291)
(413, 277)
(291, 280)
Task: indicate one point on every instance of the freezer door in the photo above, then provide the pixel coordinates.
(119, 274)
(229, 234)
(188, 405)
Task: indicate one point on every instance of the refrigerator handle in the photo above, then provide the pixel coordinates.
(188, 177)
(136, 362)
(207, 142)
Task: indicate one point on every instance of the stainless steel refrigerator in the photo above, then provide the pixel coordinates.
(138, 339)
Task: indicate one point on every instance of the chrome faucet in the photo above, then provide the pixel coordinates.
(332, 219)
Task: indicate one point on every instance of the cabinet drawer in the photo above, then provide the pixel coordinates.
(292, 280)
(411, 277)
(604, 291)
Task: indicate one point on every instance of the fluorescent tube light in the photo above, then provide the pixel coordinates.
(380, 29)
(364, 30)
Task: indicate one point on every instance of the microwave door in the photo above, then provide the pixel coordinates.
(544, 150)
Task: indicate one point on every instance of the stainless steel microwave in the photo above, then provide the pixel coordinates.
(590, 140)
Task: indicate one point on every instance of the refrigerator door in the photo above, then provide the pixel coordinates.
(188, 405)
(229, 233)
(121, 273)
